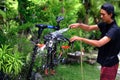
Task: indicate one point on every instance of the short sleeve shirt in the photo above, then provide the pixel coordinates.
(107, 54)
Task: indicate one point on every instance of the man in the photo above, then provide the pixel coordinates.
(108, 45)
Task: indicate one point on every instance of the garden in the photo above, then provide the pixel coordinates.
(26, 24)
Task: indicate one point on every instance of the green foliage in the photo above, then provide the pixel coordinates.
(10, 28)
(10, 62)
(11, 9)
(46, 11)
(2, 37)
(2, 13)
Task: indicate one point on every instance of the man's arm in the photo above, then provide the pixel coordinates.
(96, 43)
(84, 26)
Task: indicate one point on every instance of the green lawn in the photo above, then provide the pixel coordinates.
(73, 72)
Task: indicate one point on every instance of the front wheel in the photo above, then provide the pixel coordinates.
(37, 76)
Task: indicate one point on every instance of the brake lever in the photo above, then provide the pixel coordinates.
(71, 43)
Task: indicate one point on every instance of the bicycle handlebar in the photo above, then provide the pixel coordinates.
(43, 26)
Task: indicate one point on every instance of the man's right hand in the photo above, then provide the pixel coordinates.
(75, 25)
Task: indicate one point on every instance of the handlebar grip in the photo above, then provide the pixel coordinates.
(42, 26)
(53, 27)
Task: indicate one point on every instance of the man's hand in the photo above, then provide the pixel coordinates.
(75, 25)
(75, 38)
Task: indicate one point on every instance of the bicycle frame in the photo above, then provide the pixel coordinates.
(51, 40)
(40, 27)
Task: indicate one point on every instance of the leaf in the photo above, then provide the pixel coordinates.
(3, 14)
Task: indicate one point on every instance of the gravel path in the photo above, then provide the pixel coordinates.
(118, 74)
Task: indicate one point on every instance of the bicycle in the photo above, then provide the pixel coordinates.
(50, 44)
(31, 75)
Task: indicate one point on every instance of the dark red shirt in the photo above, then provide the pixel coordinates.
(107, 54)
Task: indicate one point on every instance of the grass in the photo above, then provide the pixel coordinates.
(73, 72)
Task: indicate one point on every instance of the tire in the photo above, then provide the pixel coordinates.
(38, 76)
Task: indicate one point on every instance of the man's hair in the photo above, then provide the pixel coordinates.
(109, 8)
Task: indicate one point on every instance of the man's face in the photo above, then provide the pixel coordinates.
(105, 16)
